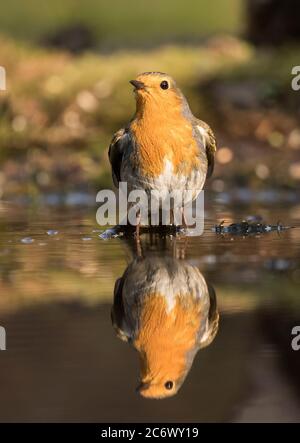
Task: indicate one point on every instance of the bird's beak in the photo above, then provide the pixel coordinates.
(142, 387)
(137, 84)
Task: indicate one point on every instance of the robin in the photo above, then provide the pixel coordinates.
(164, 147)
(166, 310)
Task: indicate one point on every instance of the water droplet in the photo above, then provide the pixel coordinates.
(52, 232)
(27, 240)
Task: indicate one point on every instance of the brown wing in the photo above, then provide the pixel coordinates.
(213, 319)
(117, 311)
(209, 141)
(117, 148)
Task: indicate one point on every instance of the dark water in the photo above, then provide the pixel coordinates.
(64, 361)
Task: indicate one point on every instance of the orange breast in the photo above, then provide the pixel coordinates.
(164, 136)
(165, 337)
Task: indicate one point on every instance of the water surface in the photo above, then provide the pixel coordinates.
(64, 361)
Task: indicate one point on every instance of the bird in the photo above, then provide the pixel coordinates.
(166, 310)
(164, 147)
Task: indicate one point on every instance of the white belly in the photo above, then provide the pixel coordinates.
(168, 278)
(168, 182)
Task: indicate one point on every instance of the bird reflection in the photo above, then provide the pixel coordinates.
(164, 307)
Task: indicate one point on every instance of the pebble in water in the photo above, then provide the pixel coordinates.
(52, 232)
(27, 240)
(247, 228)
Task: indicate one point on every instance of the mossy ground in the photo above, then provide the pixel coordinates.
(59, 111)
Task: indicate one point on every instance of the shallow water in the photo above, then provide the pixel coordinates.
(64, 361)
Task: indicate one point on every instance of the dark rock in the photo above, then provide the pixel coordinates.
(273, 22)
(245, 228)
(74, 38)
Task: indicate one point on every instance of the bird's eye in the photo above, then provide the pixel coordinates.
(164, 84)
(169, 385)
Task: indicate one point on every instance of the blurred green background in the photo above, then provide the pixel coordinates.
(68, 64)
(123, 22)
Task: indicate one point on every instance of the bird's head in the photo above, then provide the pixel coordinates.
(162, 374)
(166, 344)
(158, 389)
(157, 89)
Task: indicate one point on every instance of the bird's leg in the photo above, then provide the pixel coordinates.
(179, 248)
(137, 235)
(172, 218)
(184, 248)
(139, 251)
(138, 223)
(174, 248)
(184, 223)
